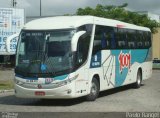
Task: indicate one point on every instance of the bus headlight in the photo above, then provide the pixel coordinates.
(73, 78)
(18, 82)
(69, 80)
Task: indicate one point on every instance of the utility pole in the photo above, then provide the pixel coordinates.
(14, 3)
(40, 8)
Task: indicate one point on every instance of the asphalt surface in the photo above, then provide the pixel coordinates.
(6, 74)
(123, 99)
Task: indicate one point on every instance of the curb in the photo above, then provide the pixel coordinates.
(156, 68)
(6, 91)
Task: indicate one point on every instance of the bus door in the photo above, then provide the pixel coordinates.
(108, 60)
(101, 55)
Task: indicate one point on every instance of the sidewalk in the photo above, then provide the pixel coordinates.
(4, 91)
(6, 80)
(6, 74)
(156, 66)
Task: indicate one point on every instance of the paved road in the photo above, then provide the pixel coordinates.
(8, 72)
(147, 98)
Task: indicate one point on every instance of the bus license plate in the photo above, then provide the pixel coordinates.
(40, 93)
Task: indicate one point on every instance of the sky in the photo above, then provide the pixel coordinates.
(61, 7)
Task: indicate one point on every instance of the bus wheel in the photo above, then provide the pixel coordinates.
(94, 91)
(139, 80)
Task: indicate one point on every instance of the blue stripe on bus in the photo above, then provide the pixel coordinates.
(138, 56)
(62, 77)
(29, 78)
(96, 60)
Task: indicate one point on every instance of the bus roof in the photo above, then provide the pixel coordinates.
(67, 22)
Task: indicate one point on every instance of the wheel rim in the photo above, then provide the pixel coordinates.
(93, 89)
(138, 79)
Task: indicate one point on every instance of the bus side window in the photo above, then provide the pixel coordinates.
(120, 39)
(110, 38)
(131, 40)
(104, 42)
(147, 40)
(139, 40)
(103, 39)
(97, 44)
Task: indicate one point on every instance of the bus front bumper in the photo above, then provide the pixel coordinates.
(62, 92)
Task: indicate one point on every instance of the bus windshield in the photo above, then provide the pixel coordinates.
(44, 53)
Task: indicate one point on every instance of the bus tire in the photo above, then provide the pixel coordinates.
(138, 80)
(94, 91)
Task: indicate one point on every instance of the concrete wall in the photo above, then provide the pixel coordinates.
(156, 45)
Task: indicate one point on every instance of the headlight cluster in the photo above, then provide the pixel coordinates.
(18, 82)
(69, 80)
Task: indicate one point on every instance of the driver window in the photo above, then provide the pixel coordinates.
(83, 48)
(83, 44)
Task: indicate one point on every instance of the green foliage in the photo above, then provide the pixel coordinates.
(120, 13)
(4, 85)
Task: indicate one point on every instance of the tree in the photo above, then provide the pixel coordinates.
(120, 13)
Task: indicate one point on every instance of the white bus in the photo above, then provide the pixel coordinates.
(73, 56)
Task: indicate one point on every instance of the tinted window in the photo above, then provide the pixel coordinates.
(143, 40)
(103, 39)
(120, 38)
(83, 44)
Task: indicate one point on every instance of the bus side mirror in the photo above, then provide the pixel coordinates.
(75, 40)
(8, 40)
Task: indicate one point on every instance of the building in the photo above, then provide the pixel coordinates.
(156, 39)
(11, 22)
(156, 36)
(152, 16)
(156, 46)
